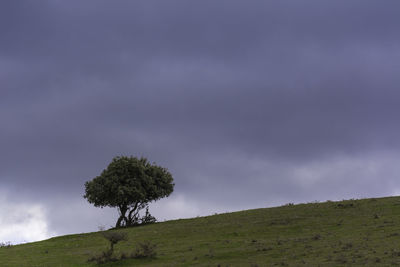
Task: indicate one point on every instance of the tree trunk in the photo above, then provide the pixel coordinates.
(122, 210)
(118, 224)
(133, 212)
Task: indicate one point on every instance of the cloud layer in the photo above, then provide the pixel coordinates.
(22, 222)
(248, 104)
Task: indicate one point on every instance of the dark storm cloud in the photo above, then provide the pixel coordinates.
(245, 102)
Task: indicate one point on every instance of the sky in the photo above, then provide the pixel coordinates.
(249, 104)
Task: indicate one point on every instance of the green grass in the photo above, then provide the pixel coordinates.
(353, 232)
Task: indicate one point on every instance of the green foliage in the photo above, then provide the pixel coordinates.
(144, 249)
(129, 183)
(108, 256)
(115, 237)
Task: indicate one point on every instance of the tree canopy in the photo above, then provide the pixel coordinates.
(129, 184)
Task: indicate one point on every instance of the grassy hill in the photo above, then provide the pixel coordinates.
(353, 232)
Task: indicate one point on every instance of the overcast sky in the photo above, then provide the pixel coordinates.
(249, 104)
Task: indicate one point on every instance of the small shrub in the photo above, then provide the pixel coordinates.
(104, 257)
(145, 250)
(393, 234)
(395, 253)
(347, 246)
(345, 205)
(107, 256)
(6, 244)
(316, 237)
(115, 237)
(148, 218)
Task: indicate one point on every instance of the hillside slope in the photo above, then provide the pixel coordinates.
(353, 232)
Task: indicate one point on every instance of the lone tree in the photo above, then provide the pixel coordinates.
(129, 183)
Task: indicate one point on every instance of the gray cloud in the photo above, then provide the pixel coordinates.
(248, 104)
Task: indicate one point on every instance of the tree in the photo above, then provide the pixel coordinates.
(129, 184)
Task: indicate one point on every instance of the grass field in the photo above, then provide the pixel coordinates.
(353, 232)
